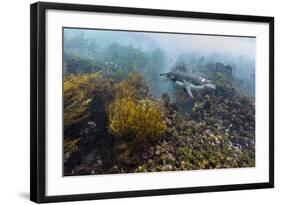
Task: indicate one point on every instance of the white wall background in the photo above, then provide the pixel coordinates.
(14, 100)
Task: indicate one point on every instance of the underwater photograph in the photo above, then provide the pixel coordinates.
(137, 101)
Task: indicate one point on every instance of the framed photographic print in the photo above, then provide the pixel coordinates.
(129, 102)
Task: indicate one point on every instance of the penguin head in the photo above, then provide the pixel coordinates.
(170, 76)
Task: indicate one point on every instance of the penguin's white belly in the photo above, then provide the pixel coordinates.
(179, 83)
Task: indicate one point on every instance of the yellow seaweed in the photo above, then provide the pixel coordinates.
(77, 97)
(137, 120)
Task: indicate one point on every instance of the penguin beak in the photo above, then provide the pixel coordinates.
(166, 79)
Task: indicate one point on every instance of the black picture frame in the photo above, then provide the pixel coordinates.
(38, 100)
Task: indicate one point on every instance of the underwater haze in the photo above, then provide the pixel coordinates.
(148, 101)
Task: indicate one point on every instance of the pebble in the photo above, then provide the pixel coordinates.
(157, 152)
(167, 167)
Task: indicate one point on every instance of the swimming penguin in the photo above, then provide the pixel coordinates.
(189, 81)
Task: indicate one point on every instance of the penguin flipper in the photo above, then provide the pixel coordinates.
(188, 87)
